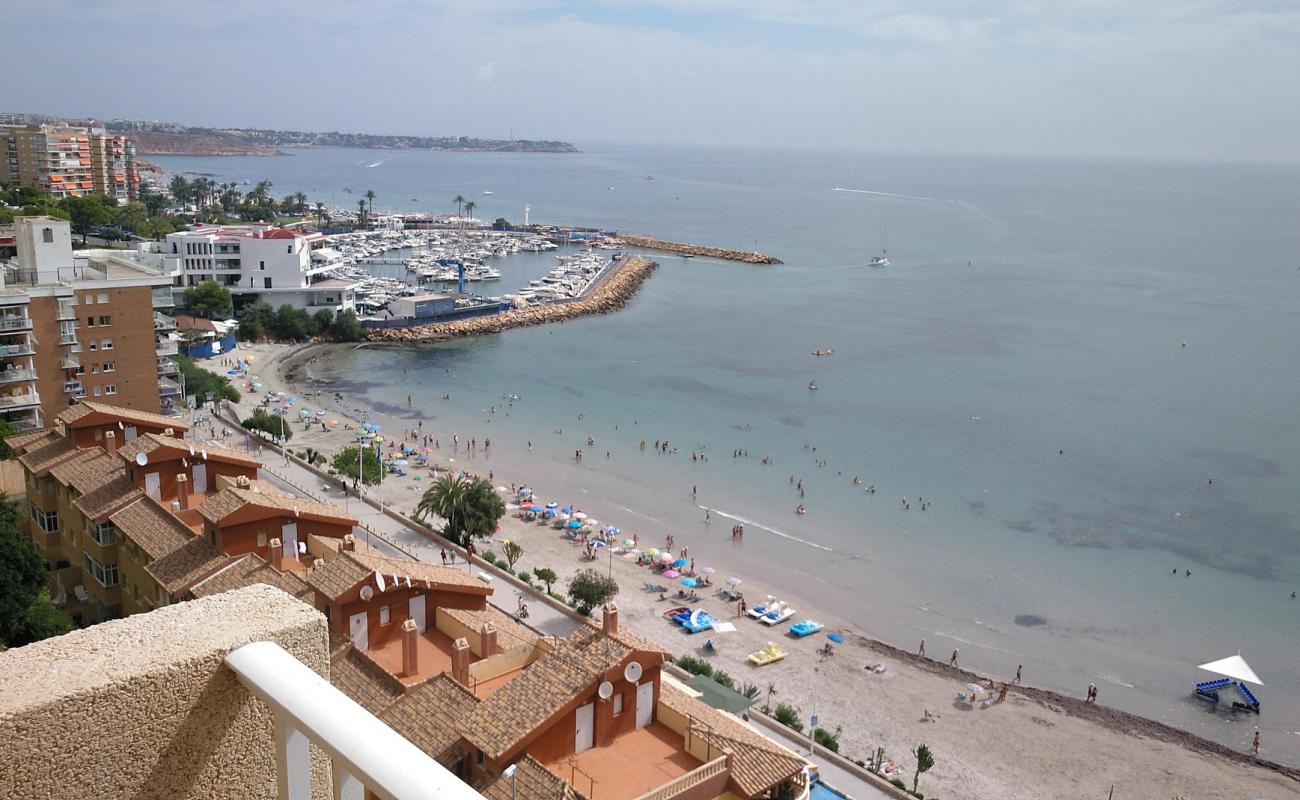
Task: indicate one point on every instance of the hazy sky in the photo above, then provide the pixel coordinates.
(1062, 77)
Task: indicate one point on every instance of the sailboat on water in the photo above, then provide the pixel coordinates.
(882, 260)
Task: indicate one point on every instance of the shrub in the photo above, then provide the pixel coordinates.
(558, 596)
(490, 557)
(788, 716)
(695, 666)
(525, 576)
(724, 679)
(827, 739)
(273, 424)
(899, 783)
(749, 690)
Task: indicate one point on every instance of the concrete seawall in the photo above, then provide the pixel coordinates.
(612, 293)
(683, 249)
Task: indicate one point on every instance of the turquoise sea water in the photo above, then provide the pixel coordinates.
(1020, 365)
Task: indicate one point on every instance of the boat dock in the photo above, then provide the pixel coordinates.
(684, 249)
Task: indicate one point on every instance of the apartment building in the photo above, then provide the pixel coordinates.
(66, 161)
(84, 325)
(276, 265)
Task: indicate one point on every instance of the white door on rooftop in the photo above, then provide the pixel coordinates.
(151, 485)
(289, 539)
(358, 630)
(128, 434)
(200, 478)
(584, 735)
(417, 614)
(645, 703)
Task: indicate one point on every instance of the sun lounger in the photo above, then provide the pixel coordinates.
(805, 628)
(1252, 702)
(768, 655)
(777, 615)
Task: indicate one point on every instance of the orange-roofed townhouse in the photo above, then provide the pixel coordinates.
(160, 558)
(240, 520)
(86, 423)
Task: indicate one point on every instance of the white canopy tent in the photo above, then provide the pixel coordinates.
(1234, 667)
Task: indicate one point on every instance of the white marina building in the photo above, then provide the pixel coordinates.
(277, 264)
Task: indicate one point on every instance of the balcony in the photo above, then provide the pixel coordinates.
(67, 338)
(166, 366)
(201, 712)
(166, 347)
(162, 322)
(15, 323)
(24, 349)
(16, 375)
(162, 298)
(73, 387)
(168, 387)
(66, 311)
(69, 361)
(19, 400)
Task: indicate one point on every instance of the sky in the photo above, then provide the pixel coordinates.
(1197, 79)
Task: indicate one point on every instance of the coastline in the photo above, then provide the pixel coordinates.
(1038, 743)
(685, 249)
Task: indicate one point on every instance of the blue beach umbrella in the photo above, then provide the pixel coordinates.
(835, 637)
(575, 524)
(681, 562)
(568, 510)
(690, 583)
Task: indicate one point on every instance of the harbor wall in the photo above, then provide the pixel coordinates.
(683, 249)
(612, 293)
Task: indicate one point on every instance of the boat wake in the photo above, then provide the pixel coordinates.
(782, 534)
(900, 196)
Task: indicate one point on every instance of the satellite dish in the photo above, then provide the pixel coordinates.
(185, 462)
(191, 449)
(367, 592)
(632, 672)
(204, 453)
(120, 426)
(606, 690)
(141, 459)
(379, 581)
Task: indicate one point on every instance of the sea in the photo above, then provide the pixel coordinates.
(1074, 390)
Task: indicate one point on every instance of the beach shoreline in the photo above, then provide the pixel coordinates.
(915, 685)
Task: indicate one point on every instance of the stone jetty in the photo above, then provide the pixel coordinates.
(612, 292)
(683, 249)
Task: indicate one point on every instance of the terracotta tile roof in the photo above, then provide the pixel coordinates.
(432, 716)
(187, 565)
(532, 781)
(523, 706)
(172, 447)
(509, 631)
(156, 531)
(362, 679)
(40, 457)
(20, 441)
(226, 502)
(87, 473)
(334, 578)
(102, 502)
(85, 408)
(248, 570)
(757, 763)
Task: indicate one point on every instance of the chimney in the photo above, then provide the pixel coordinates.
(609, 620)
(277, 554)
(243, 482)
(460, 661)
(488, 640)
(110, 442)
(410, 656)
(183, 490)
(349, 544)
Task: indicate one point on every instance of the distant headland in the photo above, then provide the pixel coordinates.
(169, 138)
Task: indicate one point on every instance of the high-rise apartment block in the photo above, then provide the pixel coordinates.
(83, 326)
(67, 161)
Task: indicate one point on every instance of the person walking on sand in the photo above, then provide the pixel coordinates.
(706, 515)
(920, 651)
(1254, 745)
(952, 662)
(444, 556)
(1018, 669)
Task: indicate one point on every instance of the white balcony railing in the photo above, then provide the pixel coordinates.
(10, 323)
(19, 400)
(167, 366)
(13, 375)
(16, 349)
(367, 755)
(165, 348)
(168, 387)
(162, 322)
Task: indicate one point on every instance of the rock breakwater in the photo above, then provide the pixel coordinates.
(612, 293)
(684, 249)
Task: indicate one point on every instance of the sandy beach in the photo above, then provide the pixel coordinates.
(1034, 744)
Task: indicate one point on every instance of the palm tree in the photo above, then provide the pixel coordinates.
(361, 209)
(370, 195)
(459, 201)
(469, 209)
(771, 690)
(180, 188)
(301, 200)
(924, 760)
(446, 499)
(320, 213)
(261, 193)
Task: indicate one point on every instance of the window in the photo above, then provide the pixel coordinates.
(105, 319)
(101, 534)
(261, 265)
(97, 391)
(107, 344)
(47, 521)
(110, 366)
(90, 322)
(267, 282)
(47, 235)
(385, 616)
(107, 576)
(103, 297)
(110, 388)
(93, 345)
(618, 704)
(94, 369)
(261, 538)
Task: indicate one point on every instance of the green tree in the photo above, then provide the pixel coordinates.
(446, 499)
(26, 614)
(7, 429)
(87, 211)
(547, 576)
(293, 323)
(209, 299)
(370, 196)
(200, 382)
(274, 424)
(180, 189)
(924, 761)
(323, 320)
(469, 208)
(460, 203)
(44, 620)
(132, 216)
(788, 716)
(513, 551)
(590, 589)
(345, 463)
(256, 320)
(346, 327)
(767, 704)
(501, 223)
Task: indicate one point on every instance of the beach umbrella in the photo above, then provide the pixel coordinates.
(1234, 667)
(580, 515)
(666, 558)
(232, 372)
(671, 573)
(590, 522)
(707, 570)
(652, 552)
(597, 544)
(401, 462)
(320, 413)
(534, 508)
(566, 509)
(690, 583)
(628, 542)
(575, 524)
(334, 422)
(734, 581)
(975, 688)
(681, 562)
(552, 505)
(835, 637)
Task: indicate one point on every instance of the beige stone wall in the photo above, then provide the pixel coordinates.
(144, 707)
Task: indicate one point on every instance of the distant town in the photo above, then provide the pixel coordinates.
(169, 138)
